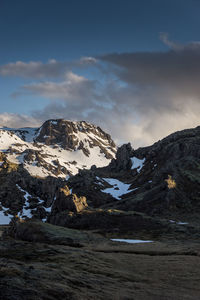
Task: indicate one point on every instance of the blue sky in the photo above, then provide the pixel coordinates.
(41, 30)
(56, 35)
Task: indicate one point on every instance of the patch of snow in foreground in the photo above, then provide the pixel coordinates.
(137, 163)
(182, 223)
(118, 188)
(131, 241)
(179, 223)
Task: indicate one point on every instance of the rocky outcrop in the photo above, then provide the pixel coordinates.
(122, 161)
(67, 134)
(21, 192)
(67, 201)
(58, 148)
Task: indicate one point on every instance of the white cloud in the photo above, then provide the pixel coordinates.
(72, 88)
(164, 37)
(39, 70)
(33, 69)
(18, 121)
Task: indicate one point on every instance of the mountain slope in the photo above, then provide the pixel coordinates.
(137, 187)
(159, 180)
(58, 147)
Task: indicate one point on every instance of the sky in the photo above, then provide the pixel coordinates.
(131, 67)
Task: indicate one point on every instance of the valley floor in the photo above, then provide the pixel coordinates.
(100, 270)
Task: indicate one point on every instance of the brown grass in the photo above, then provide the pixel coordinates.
(170, 182)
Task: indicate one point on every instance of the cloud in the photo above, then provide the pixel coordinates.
(33, 69)
(138, 97)
(74, 89)
(18, 121)
(164, 37)
(39, 70)
(161, 87)
(172, 71)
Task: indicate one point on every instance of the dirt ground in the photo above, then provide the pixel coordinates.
(106, 270)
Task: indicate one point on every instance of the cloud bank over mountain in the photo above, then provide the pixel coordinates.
(138, 97)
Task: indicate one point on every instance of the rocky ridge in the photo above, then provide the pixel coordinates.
(151, 187)
(58, 148)
(161, 180)
(36, 162)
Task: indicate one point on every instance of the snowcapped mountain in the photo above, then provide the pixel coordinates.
(58, 148)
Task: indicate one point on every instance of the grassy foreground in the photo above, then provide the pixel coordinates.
(99, 269)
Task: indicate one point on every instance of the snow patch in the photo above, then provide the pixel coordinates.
(137, 163)
(54, 122)
(118, 188)
(178, 223)
(26, 211)
(182, 223)
(131, 241)
(4, 218)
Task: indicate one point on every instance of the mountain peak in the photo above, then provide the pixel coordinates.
(58, 148)
(74, 135)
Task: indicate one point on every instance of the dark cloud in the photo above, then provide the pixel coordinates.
(161, 85)
(177, 70)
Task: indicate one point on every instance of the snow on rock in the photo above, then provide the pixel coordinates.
(4, 217)
(118, 188)
(54, 122)
(26, 211)
(48, 209)
(27, 133)
(22, 147)
(7, 139)
(130, 241)
(137, 163)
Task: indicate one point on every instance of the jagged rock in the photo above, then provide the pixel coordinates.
(176, 156)
(58, 147)
(17, 184)
(122, 161)
(67, 201)
(65, 132)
